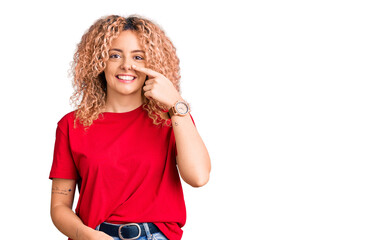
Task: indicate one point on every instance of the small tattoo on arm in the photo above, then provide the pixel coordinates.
(61, 191)
(176, 124)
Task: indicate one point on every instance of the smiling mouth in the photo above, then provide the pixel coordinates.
(125, 77)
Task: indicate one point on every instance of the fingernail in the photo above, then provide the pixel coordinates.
(133, 66)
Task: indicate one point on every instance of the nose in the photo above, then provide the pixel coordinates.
(127, 63)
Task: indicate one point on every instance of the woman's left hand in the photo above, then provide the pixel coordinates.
(159, 87)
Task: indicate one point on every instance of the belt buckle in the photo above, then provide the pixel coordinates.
(129, 224)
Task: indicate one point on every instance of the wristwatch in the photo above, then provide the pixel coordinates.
(180, 108)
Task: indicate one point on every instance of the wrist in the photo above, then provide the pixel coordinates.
(84, 233)
(175, 100)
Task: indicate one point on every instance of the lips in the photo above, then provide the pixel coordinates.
(125, 78)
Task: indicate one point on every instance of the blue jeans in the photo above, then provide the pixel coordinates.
(155, 236)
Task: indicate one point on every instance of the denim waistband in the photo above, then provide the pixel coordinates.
(128, 230)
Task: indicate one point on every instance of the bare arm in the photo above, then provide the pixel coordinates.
(193, 158)
(63, 192)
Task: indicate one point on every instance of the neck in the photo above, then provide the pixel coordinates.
(122, 103)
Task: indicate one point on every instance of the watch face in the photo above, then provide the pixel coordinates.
(181, 108)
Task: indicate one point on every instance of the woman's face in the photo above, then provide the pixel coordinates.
(124, 52)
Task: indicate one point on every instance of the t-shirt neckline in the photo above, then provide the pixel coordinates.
(123, 114)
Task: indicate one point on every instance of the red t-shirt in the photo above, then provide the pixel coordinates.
(125, 167)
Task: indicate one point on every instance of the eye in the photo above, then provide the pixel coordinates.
(139, 57)
(114, 56)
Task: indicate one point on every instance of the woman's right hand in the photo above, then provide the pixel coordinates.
(98, 235)
(92, 234)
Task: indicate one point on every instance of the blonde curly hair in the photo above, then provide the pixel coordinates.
(90, 59)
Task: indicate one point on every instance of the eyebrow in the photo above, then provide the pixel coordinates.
(119, 50)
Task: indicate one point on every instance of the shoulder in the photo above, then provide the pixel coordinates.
(68, 116)
(66, 121)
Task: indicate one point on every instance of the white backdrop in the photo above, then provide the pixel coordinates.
(292, 99)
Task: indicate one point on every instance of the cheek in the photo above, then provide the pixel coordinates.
(110, 68)
(109, 72)
(107, 75)
(141, 76)
(140, 63)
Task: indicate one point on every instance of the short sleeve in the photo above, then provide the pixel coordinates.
(176, 153)
(63, 165)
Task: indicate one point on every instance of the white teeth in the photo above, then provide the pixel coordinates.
(126, 77)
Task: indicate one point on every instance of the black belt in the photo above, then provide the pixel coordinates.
(127, 231)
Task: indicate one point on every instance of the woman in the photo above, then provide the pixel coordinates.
(130, 135)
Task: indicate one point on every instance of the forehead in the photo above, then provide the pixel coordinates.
(127, 40)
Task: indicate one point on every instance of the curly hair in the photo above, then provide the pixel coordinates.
(89, 62)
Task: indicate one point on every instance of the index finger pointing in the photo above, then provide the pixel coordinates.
(147, 71)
